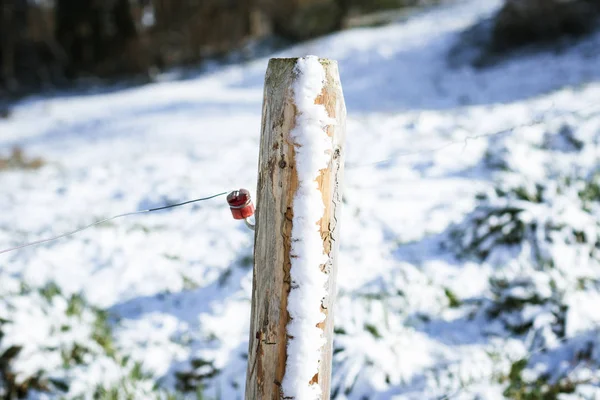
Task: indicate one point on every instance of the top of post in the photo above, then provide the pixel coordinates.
(293, 60)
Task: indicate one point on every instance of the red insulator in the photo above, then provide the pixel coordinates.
(240, 204)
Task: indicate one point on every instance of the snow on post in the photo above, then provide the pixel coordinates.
(298, 204)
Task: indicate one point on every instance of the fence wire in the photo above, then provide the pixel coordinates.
(350, 166)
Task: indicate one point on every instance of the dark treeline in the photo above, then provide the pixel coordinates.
(44, 43)
(48, 42)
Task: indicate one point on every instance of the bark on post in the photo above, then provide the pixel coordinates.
(277, 187)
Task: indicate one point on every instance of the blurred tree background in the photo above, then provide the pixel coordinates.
(45, 43)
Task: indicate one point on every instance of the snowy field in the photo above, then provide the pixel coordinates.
(469, 261)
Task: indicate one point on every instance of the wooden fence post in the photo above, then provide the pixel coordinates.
(303, 112)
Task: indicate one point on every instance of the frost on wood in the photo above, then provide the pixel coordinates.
(313, 148)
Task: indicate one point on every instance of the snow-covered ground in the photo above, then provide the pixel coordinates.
(469, 261)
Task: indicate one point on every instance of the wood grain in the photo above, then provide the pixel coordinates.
(277, 185)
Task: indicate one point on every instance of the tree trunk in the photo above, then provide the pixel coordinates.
(13, 23)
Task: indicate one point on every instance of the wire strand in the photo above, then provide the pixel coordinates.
(536, 121)
(37, 242)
